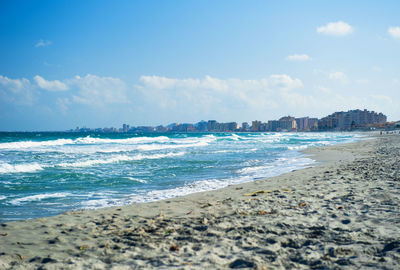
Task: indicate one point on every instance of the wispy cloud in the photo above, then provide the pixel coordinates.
(18, 91)
(43, 43)
(216, 84)
(394, 31)
(298, 57)
(338, 28)
(97, 91)
(55, 85)
(215, 96)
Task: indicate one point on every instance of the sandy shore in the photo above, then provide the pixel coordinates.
(341, 214)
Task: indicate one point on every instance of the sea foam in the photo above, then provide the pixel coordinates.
(33, 144)
(82, 140)
(119, 158)
(39, 197)
(19, 168)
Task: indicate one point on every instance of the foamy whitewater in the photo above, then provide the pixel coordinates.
(43, 174)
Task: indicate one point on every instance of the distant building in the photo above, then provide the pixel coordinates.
(211, 125)
(184, 128)
(313, 124)
(350, 120)
(202, 126)
(306, 124)
(231, 126)
(263, 127)
(144, 129)
(288, 123)
(255, 125)
(245, 126)
(302, 123)
(161, 129)
(125, 128)
(273, 125)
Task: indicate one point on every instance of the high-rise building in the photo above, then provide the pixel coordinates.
(350, 120)
(202, 126)
(288, 123)
(313, 123)
(245, 126)
(125, 128)
(302, 123)
(211, 125)
(273, 125)
(255, 125)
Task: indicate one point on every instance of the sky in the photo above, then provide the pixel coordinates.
(98, 63)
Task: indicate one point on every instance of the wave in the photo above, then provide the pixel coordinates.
(152, 147)
(136, 179)
(19, 168)
(134, 140)
(155, 195)
(247, 175)
(33, 144)
(198, 186)
(6, 168)
(101, 203)
(115, 159)
(277, 167)
(39, 197)
(80, 141)
(297, 147)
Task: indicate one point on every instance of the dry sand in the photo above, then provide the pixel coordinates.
(341, 214)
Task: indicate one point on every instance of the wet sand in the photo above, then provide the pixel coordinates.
(344, 213)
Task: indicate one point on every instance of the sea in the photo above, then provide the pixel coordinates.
(44, 174)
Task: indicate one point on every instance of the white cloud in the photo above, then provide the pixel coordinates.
(97, 91)
(221, 85)
(284, 81)
(158, 82)
(208, 82)
(298, 57)
(17, 91)
(43, 43)
(90, 90)
(225, 98)
(338, 75)
(55, 85)
(338, 28)
(394, 31)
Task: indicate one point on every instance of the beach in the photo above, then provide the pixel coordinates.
(342, 213)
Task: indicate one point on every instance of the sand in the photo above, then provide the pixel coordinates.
(340, 214)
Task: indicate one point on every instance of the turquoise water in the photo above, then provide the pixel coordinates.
(44, 174)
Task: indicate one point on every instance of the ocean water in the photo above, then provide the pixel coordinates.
(44, 174)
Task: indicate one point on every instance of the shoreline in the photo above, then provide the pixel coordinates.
(263, 223)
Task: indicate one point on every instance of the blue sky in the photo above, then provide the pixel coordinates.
(103, 63)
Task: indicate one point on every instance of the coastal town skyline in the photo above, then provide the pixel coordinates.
(338, 121)
(96, 63)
